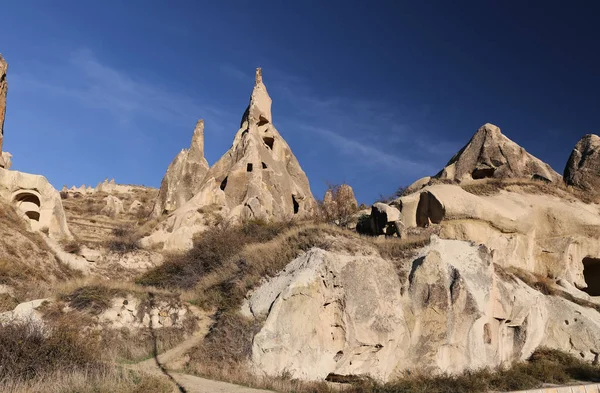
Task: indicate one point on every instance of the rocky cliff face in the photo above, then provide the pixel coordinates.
(257, 178)
(583, 167)
(448, 309)
(3, 92)
(490, 154)
(184, 175)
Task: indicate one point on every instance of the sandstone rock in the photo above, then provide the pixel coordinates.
(539, 233)
(451, 310)
(7, 158)
(184, 175)
(583, 167)
(3, 92)
(114, 206)
(490, 154)
(135, 206)
(258, 178)
(25, 312)
(386, 220)
(419, 184)
(39, 203)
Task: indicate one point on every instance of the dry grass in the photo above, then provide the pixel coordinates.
(108, 380)
(494, 186)
(124, 239)
(71, 246)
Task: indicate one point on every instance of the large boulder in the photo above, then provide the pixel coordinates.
(490, 154)
(3, 92)
(184, 175)
(257, 178)
(583, 167)
(448, 309)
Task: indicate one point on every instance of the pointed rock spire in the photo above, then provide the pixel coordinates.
(184, 175)
(490, 154)
(3, 93)
(583, 167)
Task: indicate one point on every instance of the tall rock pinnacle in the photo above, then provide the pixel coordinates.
(3, 92)
(184, 175)
(583, 167)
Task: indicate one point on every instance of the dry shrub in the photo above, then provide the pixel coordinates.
(72, 246)
(29, 350)
(7, 302)
(125, 239)
(93, 298)
(211, 250)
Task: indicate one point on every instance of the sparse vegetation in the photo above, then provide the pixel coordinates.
(93, 298)
(72, 246)
(124, 239)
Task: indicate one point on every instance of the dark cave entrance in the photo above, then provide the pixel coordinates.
(296, 205)
(591, 274)
(223, 184)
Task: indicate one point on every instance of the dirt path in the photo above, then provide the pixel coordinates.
(175, 359)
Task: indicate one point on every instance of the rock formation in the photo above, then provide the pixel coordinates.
(257, 178)
(490, 154)
(583, 167)
(184, 175)
(330, 314)
(39, 203)
(386, 220)
(3, 92)
(339, 204)
(532, 231)
(114, 206)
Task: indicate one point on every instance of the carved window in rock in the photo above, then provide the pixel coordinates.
(29, 204)
(591, 274)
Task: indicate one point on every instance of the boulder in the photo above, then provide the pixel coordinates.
(3, 93)
(135, 206)
(490, 154)
(184, 175)
(583, 167)
(417, 185)
(386, 220)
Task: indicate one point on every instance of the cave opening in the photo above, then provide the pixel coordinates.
(591, 275)
(262, 121)
(264, 166)
(483, 173)
(223, 184)
(296, 205)
(269, 141)
(249, 167)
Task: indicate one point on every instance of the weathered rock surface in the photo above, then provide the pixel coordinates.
(490, 154)
(583, 167)
(114, 206)
(385, 220)
(36, 199)
(258, 178)
(3, 93)
(184, 175)
(541, 233)
(135, 206)
(447, 310)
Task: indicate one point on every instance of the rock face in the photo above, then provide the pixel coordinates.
(114, 206)
(3, 92)
(490, 154)
(184, 175)
(540, 233)
(39, 203)
(448, 310)
(583, 167)
(257, 178)
(386, 220)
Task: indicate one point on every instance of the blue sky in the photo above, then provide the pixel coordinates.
(375, 94)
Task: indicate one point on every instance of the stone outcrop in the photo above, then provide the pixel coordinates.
(490, 154)
(540, 233)
(385, 220)
(184, 175)
(257, 178)
(583, 167)
(3, 93)
(114, 206)
(37, 201)
(448, 309)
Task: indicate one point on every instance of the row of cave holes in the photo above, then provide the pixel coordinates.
(249, 169)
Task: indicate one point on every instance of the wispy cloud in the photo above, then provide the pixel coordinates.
(96, 84)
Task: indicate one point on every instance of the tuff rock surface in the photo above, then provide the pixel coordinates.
(257, 178)
(184, 175)
(490, 154)
(583, 167)
(448, 309)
